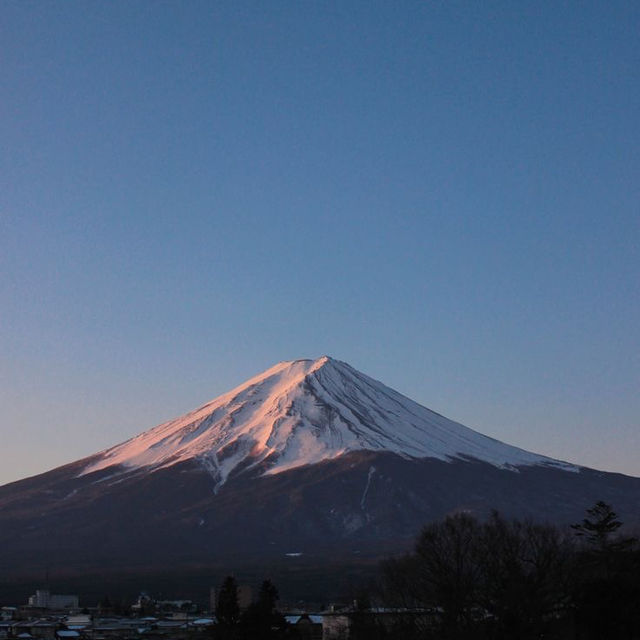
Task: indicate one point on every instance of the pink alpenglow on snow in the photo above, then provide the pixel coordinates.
(304, 412)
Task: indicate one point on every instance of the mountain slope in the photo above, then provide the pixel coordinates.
(303, 412)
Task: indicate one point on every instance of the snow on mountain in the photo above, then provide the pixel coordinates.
(303, 412)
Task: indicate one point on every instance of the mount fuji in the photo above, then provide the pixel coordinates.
(310, 458)
(304, 412)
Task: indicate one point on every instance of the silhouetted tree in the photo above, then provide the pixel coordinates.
(599, 528)
(524, 570)
(227, 608)
(261, 620)
(606, 577)
(449, 575)
(441, 578)
(268, 597)
(500, 579)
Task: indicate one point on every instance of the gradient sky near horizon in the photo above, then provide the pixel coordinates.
(446, 195)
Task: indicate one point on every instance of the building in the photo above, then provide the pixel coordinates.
(44, 599)
(8, 613)
(307, 626)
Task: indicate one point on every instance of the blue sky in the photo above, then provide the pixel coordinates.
(444, 195)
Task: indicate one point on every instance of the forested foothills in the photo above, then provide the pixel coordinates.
(512, 579)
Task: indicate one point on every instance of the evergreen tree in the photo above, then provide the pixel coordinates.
(268, 597)
(600, 527)
(227, 608)
(606, 584)
(261, 620)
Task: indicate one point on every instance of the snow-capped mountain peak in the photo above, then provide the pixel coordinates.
(303, 412)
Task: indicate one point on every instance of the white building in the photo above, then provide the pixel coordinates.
(43, 599)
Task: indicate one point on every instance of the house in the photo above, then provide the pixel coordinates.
(307, 626)
(8, 613)
(41, 629)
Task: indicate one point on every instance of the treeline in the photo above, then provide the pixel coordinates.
(509, 579)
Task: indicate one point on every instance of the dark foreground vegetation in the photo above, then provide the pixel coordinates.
(508, 579)
(469, 580)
